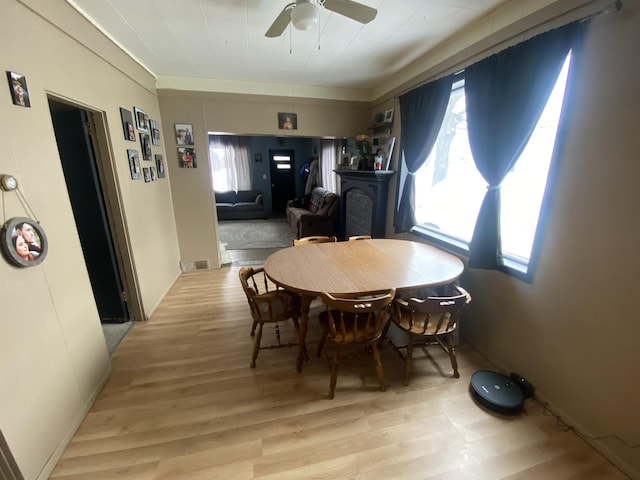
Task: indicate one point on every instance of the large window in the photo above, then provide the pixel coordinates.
(449, 189)
(230, 166)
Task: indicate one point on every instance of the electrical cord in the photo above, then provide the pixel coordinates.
(569, 428)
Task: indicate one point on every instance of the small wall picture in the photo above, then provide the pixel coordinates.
(127, 125)
(134, 164)
(147, 174)
(145, 144)
(142, 120)
(184, 134)
(18, 87)
(187, 157)
(388, 116)
(258, 157)
(159, 165)
(154, 177)
(24, 243)
(288, 121)
(155, 132)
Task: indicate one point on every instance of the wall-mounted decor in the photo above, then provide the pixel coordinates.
(147, 174)
(287, 121)
(127, 125)
(159, 165)
(154, 177)
(258, 157)
(388, 116)
(184, 134)
(187, 157)
(23, 242)
(145, 144)
(142, 120)
(18, 87)
(155, 132)
(134, 164)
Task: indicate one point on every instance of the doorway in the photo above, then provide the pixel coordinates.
(93, 193)
(282, 167)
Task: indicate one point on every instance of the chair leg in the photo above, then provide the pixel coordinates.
(334, 373)
(253, 328)
(323, 339)
(408, 360)
(378, 364)
(452, 356)
(256, 346)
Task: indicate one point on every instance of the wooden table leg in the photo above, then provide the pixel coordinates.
(305, 302)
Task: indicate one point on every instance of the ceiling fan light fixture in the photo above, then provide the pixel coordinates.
(304, 16)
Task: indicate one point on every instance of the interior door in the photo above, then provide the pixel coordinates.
(81, 175)
(283, 186)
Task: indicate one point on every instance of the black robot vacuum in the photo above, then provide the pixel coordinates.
(498, 392)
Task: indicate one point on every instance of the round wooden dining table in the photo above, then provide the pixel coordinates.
(360, 267)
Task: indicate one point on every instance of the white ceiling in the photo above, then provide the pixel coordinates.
(224, 39)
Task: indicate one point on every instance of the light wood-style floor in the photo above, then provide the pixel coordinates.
(182, 403)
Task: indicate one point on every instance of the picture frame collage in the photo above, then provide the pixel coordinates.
(185, 145)
(149, 134)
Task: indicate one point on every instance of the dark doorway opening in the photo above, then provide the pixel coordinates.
(75, 133)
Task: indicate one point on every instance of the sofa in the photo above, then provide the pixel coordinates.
(317, 215)
(240, 205)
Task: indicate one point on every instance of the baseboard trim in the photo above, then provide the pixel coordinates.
(578, 428)
(53, 460)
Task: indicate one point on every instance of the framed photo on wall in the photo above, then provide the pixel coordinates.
(288, 121)
(388, 116)
(142, 120)
(187, 157)
(184, 133)
(18, 88)
(127, 125)
(145, 144)
(155, 133)
(23, 242)
(147, 174)
(159, 165)
(134, 164)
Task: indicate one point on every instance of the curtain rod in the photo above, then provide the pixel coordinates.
(530, 32)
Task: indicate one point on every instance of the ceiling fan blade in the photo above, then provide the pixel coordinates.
(353, 10)
(281, 22)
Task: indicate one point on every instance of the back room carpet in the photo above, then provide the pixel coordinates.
(251, 234)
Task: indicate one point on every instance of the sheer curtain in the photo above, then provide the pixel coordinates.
(330, 151)
(230, 164)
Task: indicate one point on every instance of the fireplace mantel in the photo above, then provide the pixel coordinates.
(374, 184)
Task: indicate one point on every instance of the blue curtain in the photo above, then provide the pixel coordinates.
(421, 113)
(505, 96)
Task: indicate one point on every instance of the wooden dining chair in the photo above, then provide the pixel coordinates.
(359, 237)
(428, 321)
(315, 239)
(268, 305)
(354, 321)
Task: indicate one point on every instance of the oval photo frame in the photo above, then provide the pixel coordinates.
(23, 243)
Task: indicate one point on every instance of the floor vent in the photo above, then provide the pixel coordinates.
(202, 264)
(197, 265)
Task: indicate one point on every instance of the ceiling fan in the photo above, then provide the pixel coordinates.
(304, 14)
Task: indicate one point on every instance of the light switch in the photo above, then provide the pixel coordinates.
(264, 176)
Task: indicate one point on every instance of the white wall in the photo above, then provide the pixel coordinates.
(53, 357)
